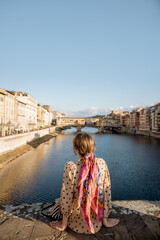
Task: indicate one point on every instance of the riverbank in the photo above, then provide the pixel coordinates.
(139, 220)
(13, 154)
(139, 132)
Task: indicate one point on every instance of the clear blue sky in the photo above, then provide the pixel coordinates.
(82, 56)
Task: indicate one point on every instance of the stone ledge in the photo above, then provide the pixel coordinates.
(138, 220)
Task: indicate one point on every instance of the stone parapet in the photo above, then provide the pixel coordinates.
(139, 220)
(11, 142)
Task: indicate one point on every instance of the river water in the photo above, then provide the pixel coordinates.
(133, 162)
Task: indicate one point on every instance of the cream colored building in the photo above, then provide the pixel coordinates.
(116, 112)
(7, 112)
(21, 115)
(57, 114)
(57, 118)
(40, 116)
(145, 119)
(112, 119)
(48, 115)
(155, 118)
(2, 112)
(30, 109)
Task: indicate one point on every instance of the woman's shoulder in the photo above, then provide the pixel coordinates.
(101, 161)
(70, 165)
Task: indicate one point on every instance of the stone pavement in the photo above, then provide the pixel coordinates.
(139, 220)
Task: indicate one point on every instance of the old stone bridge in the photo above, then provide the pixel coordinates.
(80, 123)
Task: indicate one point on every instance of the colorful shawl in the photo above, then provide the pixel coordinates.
(90, 190)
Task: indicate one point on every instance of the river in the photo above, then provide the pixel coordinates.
(36, 176)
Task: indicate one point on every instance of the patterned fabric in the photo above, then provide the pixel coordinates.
(90, 190)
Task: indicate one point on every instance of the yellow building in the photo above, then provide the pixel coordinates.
(40, 116)
(56, 116)
(70, 121)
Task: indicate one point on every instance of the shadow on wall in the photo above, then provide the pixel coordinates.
(34, 141)
(36, 136)
(37, 140)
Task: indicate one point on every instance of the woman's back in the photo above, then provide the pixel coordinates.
(69, 196)
(86, 190)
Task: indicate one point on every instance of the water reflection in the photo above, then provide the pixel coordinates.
(21, 173)
(36, 176)
(73, 130)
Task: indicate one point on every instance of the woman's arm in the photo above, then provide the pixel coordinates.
(66, 197)
(106, 194)
(108, 222)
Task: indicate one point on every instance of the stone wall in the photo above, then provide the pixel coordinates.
(11, 142)
(140, 132)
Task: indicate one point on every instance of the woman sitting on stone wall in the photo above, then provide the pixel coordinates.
(86, 191)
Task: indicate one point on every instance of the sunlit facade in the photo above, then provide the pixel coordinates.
(155, 118)
(135, 118)
(40, 117)
(2, 112)
(30, 109)
(69, 121)
(145, 119)
(7, 112)
(48, 115)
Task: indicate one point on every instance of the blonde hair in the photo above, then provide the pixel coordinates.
(83, 143)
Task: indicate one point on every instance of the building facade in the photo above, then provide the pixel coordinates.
(7, 112)
(70, 121)
(30, 109)
(48, 115)
(135, 118)
(155, 118)
(40, 117)
(2, 112)
(145, 119)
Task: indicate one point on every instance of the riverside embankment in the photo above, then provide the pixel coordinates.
(12, 147)
(139, 220)
(139, 132)
(9, 143)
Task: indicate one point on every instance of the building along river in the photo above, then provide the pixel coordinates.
(36, 176)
